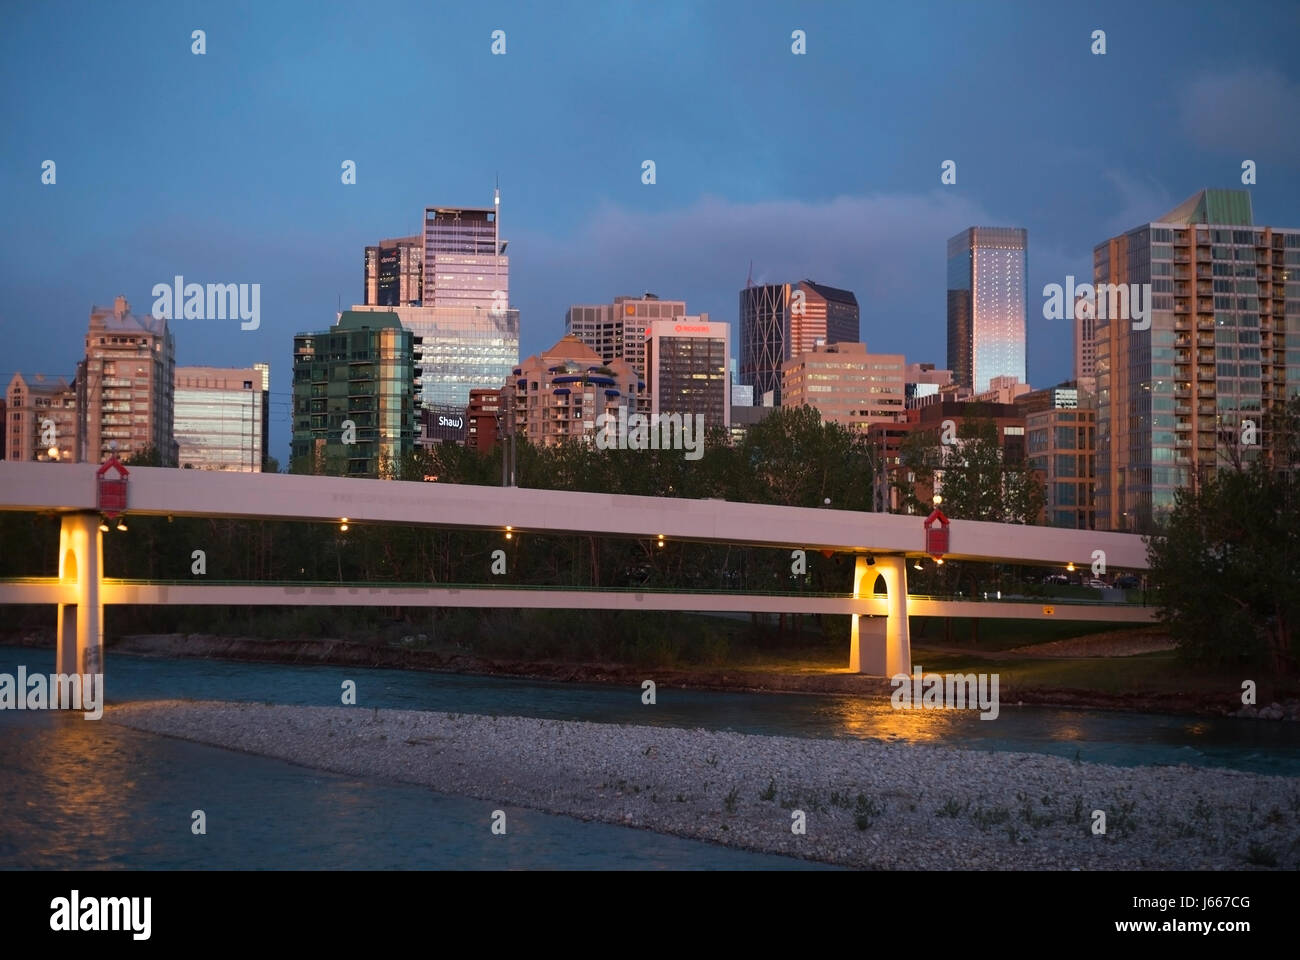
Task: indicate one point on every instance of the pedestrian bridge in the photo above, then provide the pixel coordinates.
(882, 544)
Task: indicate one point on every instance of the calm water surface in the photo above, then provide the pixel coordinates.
(81, 794)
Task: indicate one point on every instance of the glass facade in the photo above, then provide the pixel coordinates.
(987, 297)
(764, 338)
(360, 370)
(1172, 399)
(464, 259)
(461, 349)
(220, 416)
(689, 360)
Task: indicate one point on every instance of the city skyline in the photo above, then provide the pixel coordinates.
(871, 217)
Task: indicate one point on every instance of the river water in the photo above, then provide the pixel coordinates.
(80, 794)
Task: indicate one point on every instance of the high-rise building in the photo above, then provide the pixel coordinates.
(221, 416)
(687, 363)
(1061, 443)
(846, 384)
(1085, 346)
(458, 349)
(39, 409)
(354, 404)
(782, 320)
(558, 394)
(125, 385)
(1218, 346)
(395, 272)
(464, 258)
(617, 330)
(987, 298)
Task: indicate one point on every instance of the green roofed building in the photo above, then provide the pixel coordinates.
(354, 405)
(1188, 374)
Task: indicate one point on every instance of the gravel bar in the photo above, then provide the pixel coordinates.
(865, 804)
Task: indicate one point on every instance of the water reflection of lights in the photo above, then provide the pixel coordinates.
(878, 720)
(84, 786)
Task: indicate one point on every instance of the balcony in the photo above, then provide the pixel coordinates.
(1183, 409)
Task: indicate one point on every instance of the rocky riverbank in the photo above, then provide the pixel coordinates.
(869, 805)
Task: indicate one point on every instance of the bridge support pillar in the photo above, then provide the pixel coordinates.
(81, 625)
(881, 646)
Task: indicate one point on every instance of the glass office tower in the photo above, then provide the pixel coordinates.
(360, 370)
(220, 417)
(459, 349)
(987, 296)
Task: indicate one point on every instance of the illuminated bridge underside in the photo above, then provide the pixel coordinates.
(199, 594)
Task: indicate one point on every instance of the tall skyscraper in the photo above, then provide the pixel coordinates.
(1219, 346)
(464, 257)
(125, 385)
(39, 409)
(687, 362)
(395, 272)
(780, 321)
(354, 404)
(457, 349)
(617, 330)
(220, 417)
(987, 298)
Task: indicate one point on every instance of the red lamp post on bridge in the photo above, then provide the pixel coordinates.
(936, 535)
(112, 491)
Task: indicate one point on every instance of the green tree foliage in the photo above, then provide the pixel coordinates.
(976, 481)
(144, 457)
(1226, 565)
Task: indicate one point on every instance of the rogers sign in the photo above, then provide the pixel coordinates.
(689, 328)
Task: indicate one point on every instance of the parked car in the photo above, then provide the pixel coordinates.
(1127, 582)
(1057, 578)
(1097, 584)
